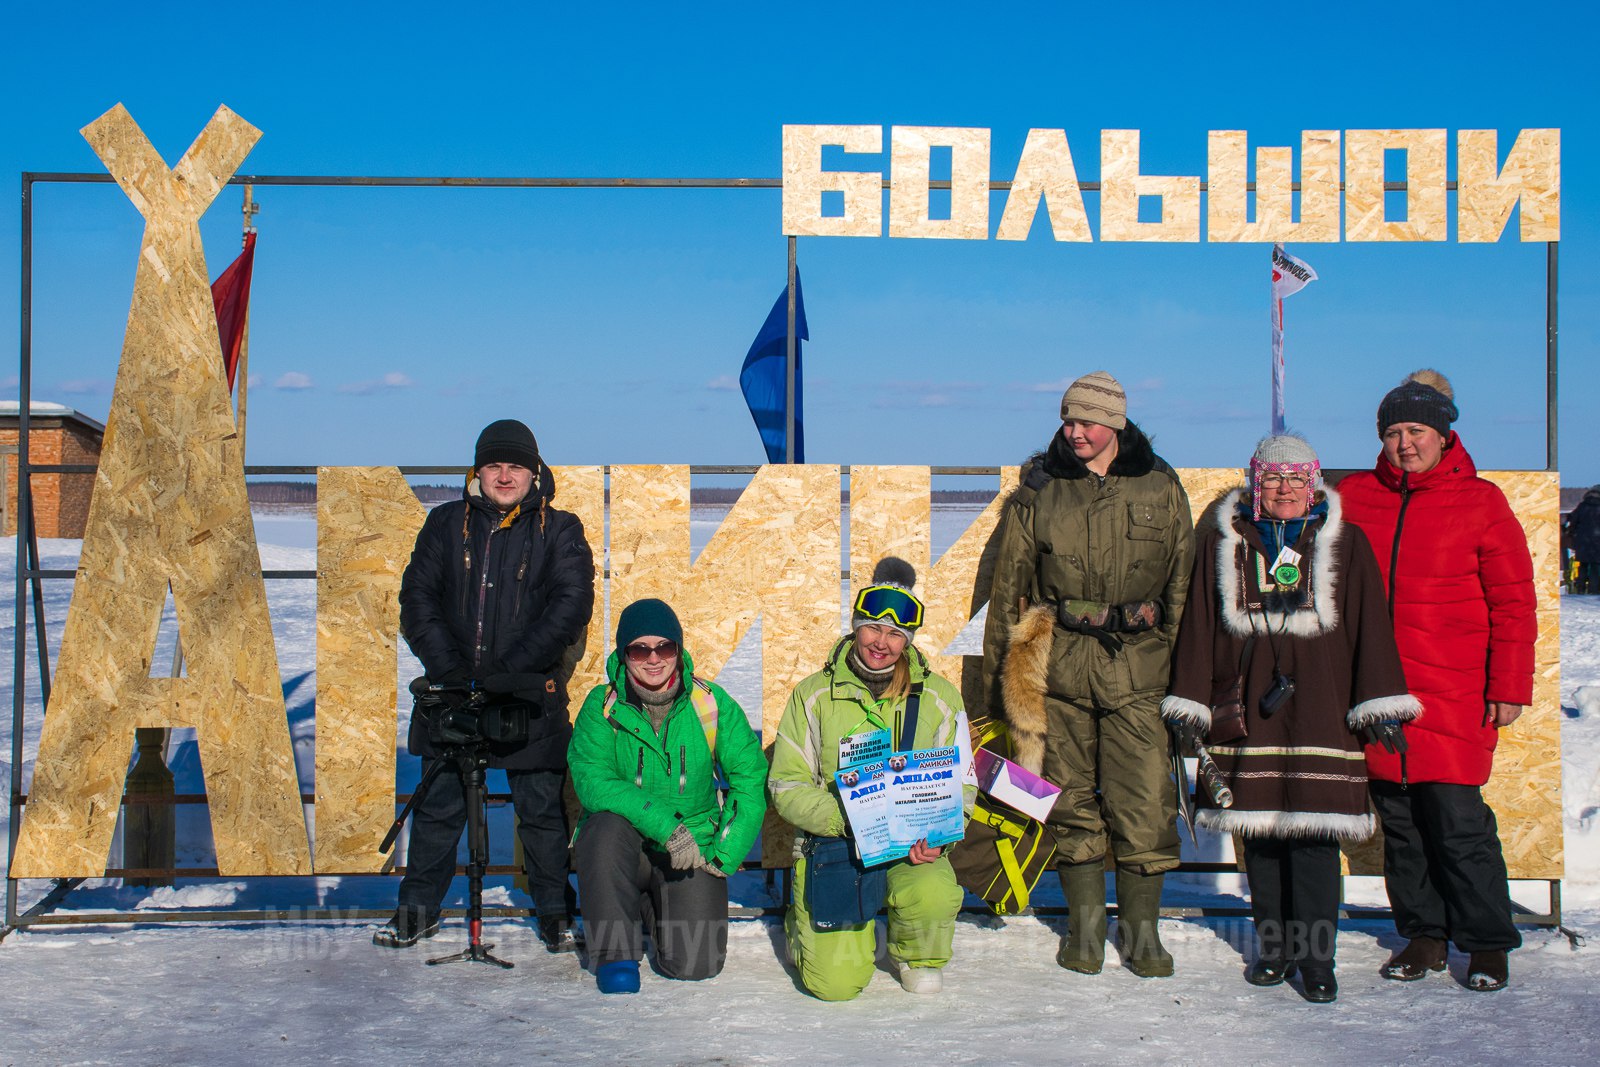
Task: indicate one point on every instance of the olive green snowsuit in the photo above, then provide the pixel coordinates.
(1068, 534)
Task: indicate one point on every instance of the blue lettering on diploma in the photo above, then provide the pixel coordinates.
(932, 777)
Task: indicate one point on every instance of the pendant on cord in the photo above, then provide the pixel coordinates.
(1286, 568)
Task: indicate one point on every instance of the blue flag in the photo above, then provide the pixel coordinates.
(764, 377)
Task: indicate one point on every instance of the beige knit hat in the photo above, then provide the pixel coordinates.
(1096, 397)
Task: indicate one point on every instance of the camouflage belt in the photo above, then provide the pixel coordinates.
(1087, 616)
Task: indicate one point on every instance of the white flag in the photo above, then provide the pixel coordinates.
(1289, 276)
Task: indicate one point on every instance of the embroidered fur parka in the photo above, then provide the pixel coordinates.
(1300, 771)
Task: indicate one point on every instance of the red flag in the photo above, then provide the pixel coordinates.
(231, 294)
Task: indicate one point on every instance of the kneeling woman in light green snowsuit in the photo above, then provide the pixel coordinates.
(864, 687)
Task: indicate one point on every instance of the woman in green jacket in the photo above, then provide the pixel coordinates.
(643, 757)
(864, 687)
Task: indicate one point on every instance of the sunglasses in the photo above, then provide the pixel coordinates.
(887, 601)
(637, 653)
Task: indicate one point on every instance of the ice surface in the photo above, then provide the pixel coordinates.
(290, 992)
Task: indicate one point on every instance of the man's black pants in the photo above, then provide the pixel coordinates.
(1443, 867)
(437, 823)
(1588, 578)
(623, 884)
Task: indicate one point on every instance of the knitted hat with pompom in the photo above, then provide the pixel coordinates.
(1425, 397)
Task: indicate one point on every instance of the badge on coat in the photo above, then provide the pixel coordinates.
(1286, 568)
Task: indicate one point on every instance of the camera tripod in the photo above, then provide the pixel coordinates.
(471, 760)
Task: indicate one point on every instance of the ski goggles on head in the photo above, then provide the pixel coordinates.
(878, 602)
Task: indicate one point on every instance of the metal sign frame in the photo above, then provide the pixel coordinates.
(30, 574)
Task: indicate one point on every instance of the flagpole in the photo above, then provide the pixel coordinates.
(1289, 276)
(789, 366)
(242, 373)
(1551, 367)
(1276, 363)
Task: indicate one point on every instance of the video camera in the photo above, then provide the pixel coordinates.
(463, 715)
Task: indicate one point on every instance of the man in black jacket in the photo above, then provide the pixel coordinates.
(499, 584)
(1583, 536)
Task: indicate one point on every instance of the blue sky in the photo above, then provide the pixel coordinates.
(389, 325)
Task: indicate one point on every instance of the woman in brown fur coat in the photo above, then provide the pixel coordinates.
(1287, 598)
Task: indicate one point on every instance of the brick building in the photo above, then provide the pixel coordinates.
(57, 434)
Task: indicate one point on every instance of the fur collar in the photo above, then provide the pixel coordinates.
(1135, 457)
(1296, 621)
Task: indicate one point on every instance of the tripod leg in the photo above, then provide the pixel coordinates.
(473, 954)
(416, 798)
(472, 776)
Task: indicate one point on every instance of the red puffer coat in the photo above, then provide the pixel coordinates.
(1455, 562)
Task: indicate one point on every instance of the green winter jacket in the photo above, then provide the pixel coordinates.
(1067, 534)
(834, 703)
(657, 780)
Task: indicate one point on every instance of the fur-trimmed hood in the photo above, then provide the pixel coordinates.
(1302, 620)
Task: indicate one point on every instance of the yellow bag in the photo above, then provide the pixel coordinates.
(1004, 853)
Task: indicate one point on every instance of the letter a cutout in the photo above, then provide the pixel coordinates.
(169, 507)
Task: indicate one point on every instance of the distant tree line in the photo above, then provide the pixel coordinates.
(306, 493)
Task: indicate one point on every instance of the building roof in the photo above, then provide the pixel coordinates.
(43, 409)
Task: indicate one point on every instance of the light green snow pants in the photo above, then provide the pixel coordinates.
(837, 964)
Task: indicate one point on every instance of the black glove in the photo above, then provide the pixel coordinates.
(1185, 735)
(1388, 734)
(458, 678)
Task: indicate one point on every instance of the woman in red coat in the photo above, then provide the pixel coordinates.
(1460, 583)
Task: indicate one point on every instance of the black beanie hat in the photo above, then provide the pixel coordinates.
(506, 441)
(648, 618)
(1425, 397)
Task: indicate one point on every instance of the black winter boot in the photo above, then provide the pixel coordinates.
(1138, 924)
(1271, 970)
(558, 934)
(1488, 971)
(1084, 948)
(1317, 983)
(1421, 955)
(408, 926)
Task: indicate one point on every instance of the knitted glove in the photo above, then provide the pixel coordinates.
(713, 870)
(682, 849)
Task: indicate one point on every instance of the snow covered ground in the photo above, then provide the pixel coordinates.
(289, 992)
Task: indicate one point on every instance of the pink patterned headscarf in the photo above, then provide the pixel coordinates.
(1284, 453)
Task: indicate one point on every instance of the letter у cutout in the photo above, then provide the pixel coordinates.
(169, 506)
